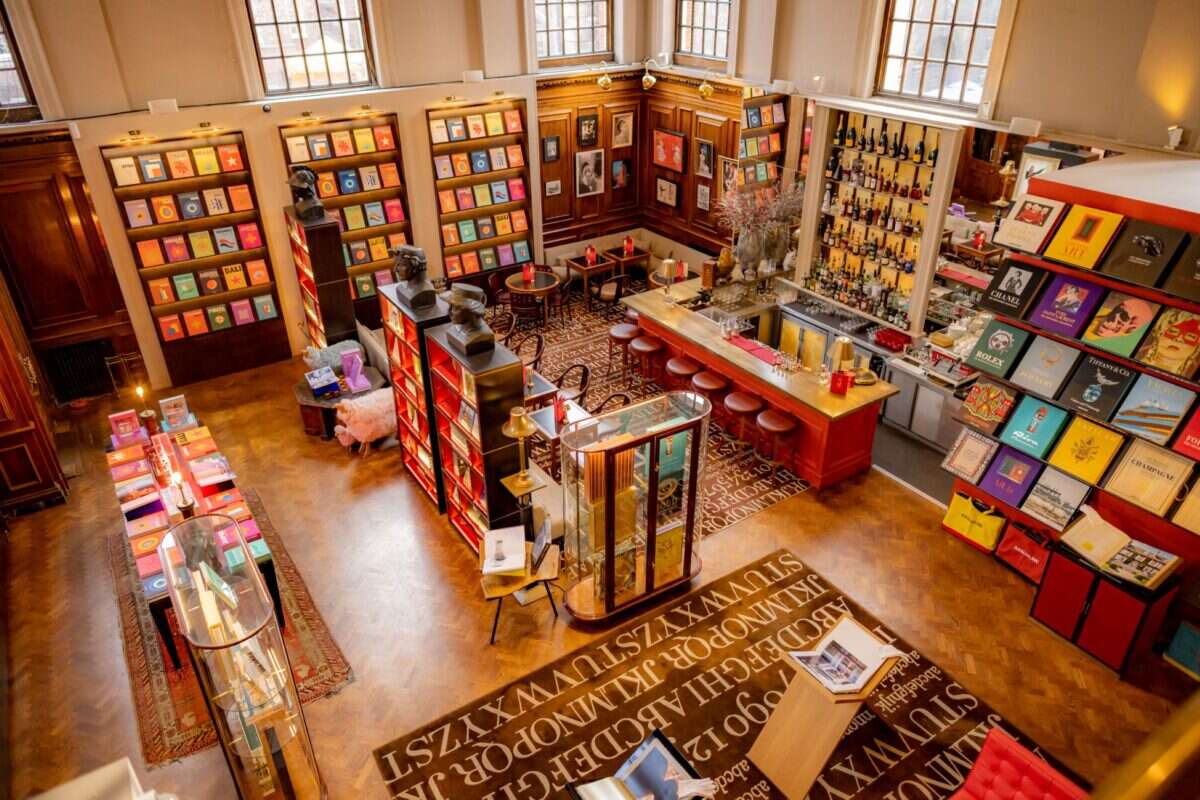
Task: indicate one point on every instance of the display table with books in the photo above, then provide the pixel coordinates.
(159, 481)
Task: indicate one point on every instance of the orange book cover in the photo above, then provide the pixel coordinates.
(239, 198)
(125, 454)
(257, 271)
(470, 262)
(150, 253)
(230, 156)
(195, 322)
(389, 174)
(164, 209)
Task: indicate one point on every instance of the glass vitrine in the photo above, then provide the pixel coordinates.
(226, 615)
(630, 479)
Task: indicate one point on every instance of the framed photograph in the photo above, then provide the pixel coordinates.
(589, 173)
(1032, 166)
(729, 174)
(705, 153)
(622, 173)
(549, 148)
(666, 192)
(668, 149)
(553, 188)
(587, 129)
(703, 196)
(622, 129)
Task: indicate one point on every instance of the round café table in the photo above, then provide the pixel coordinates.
(543, 283)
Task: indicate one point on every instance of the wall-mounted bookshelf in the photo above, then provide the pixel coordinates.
(480, 158)
(193, 222)
(762, 143)
(360, 180)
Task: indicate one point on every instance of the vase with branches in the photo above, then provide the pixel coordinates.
(761, 220)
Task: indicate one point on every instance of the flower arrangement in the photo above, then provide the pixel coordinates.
(751, 212)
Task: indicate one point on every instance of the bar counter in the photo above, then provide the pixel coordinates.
(835, 433)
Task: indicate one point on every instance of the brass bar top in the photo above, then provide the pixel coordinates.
(804, 387)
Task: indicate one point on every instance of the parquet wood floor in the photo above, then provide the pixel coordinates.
(400, 593)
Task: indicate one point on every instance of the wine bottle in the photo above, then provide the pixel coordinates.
(871, 141)
(829, 165)
(851, 137)
(919, 151)
(903, 152)
(896, 145)
(840, 137)
(881, 148)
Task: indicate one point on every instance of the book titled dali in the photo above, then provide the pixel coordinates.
(1066, 305)
(1143, 252)
(1013, 289)
(1029, 223)
(1153, 409)
(997, 349)
(1097, 387)
(1010, 476)
(1034, 426)
(1045, 366)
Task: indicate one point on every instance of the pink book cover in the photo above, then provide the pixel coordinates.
(176, 248)
(148, 524)
(124, 424)
(249, 235)
(149, 565)
(250, 529)
(516, 188)
(394, 210)
(384, 277)
(243, 312)
(131, 469)
(222, 499)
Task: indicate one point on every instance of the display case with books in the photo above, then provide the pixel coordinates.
(481, 179)
(631, 520)
(195, 230)
(412, 387)
(317, 255)
(762, 143)
(360, 180)
(472, 397)
(225, 614)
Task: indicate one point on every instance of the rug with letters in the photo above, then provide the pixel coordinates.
(705, 670)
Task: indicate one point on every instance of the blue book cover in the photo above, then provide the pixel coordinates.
(152, 168)
(190, 205)
(375, 214)
(1034, 426)
(499, 192)
(486, 228)
(348, 181)
(479, 161)
(226, 240)
(1184, 650)
(466, 230)
(521, 251)
(1153, 409)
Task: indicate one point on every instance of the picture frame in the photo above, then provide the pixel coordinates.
(589, 173)
(622, 173)
(549, 149)
(703, 197)
(668, 149)
(729, 175)
(705, 153)
(622, 129)
(587, 130)
(666, 192)
(553, 188)
(1033, 165)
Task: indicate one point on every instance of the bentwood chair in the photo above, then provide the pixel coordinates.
(616, 400)
(579, 393)
(532, 355)
(525, 308)
(611, 291)
(500, 294)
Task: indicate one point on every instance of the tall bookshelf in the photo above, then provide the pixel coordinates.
(472, 397)
(360, 180)
(317, 255)
(412, 389)
(481, 180)
(194, 225)
(762, 142)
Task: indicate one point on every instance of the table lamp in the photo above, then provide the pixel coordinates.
(520, 427)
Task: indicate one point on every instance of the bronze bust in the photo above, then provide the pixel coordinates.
(413, 289)
(468, 334)
(303, 183)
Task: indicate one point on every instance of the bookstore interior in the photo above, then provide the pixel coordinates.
(600, 399)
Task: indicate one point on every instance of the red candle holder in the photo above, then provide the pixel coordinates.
(841, 381)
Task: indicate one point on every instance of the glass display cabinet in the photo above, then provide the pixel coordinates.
(631, 520)
(226, 615)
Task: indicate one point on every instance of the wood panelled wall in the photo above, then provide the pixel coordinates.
(674, 104)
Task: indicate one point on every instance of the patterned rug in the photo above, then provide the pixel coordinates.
(731, 489)
(705, 670)
(172, 719)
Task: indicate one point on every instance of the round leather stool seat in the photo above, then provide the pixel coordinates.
(682, 367)
(632, 316)
(706, 382)
(741, 403)
(624, 332)
(775, 422)
(646, 346)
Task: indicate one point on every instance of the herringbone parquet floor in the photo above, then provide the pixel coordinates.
(400, 592)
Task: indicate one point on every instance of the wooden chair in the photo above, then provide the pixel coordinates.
(503, 324)
(580, 393)
(518, 347)
(560, 299)
(525, 308)
(620, 398)
(500, 294)
(611, 291)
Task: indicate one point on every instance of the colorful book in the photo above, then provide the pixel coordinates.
(364, 285)
(242, 312)
(1083, 237)
(1029, 223)
(1120, 323)
(384, 138)
(215, 202)
(359, 252)
(1085, 450)
(160, 291)
(218, 317)
(516, 188)
(456, 129)
(453, 266)
(318, 146)
(369, 177)
(297, 149)
(521, 252)
(479, 161)
(466, 231)
(170, 327)
(194, 322)
(1034, 426)
(475, 126)
(437, 131)
(348, 182)
(233, 276)
(461, 163)
(389, 174)
(482, 194)
(226, 239)
(264, 306)
(1143, 252)
(1055, 498)
(164, 209)
(206, 160)
(1011, 476)
(1188, 440)
(343, 143)
(364, 140)
(373, 213)
(443, 167)
(209, 281)
(176, 248)
(470, 263)
(327, 185)
(997, 349)
(190, 205)
(179, 164)
(465, 198)
(1149, 476)
(1013, 289)
(125, 171)
(1045, 367)
(446, 201)
(520, 223)
(1173, 344)
(1096, 387)
(1153, 409)
(499, 192)
(498, 157)
(137, 212)
(240, 198)
(257, 273)
(494, 123)
(249, 235)
(512, 121)
(201, 243)
(230, 156)
(185, 286)
(503, 224)
(152, 168)
(393, 209)
(150, 253)
(1066, 305)
(487, 259)
(378, 247)
(450, 234)
(354, 218)
(987, 405)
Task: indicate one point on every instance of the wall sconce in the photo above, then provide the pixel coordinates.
(705, 88)
(1174, 137)
(605, 80)
(649, 80)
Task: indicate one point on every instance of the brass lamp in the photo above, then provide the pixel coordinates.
(520, 427)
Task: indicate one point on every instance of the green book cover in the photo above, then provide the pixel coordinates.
(998, 348)
(218, 317)
(185, 286)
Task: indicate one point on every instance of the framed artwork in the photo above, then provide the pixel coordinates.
(553, 188)
(704, 158)
(1032, 166)
(549, 148)
(622, 173)
(703, 196)
(668, 149)
(589, 173)
(666, 192)
(622, 129)
(729, 174)
(587, 128)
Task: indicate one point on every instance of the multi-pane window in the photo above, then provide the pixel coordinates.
(938, 49)
(306, 45)
(703, 28)
(568, 31)
(15, 96)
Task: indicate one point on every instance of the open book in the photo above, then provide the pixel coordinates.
(847, 659)
(1118, 554)
(655, 771)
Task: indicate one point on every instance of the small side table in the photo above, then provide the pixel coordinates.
(980, 255)
(497, 587)
(549, 430)
(580, 265)
(539, 391)
(543, 283)
(640, 258)
(319, 414)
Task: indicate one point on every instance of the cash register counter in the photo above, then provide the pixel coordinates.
(835, 432)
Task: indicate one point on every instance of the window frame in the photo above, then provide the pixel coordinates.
(30, 111)
(558, 62)
(698, 60)
(260, 68)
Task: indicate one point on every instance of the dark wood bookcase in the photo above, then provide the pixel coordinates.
(202, 336)
(366, 147)
(773, 134)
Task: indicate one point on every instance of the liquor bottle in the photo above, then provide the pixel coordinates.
(919, 151)
(828, 198)
(851, 137)
(881, 147)
(932, 159)
(829, 165)
(903, 152)
(896, 145)
(840, 137)
(870, 142)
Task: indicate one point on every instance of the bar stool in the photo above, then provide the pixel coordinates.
(621, 335)
(710, 385)
(632, 317)
(681, 369)
(645, 348)
(775, 425)
(742, 406)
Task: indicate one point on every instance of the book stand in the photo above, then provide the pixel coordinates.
(805, 728)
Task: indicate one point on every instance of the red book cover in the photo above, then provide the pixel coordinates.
(249, 236)
(383, 137)
(516, 188)
(177, 249)
(222, 499)
(516, 156)
(150, 253)
(512, 121)
(239, 198)
(393, 209)
(171, 327)
(453, 266)
(195, 322)
(149, 565)
(519, 222)
(230, 156)
(470, 262)
(130, 470)
(160, 291)
(125, 455)
(1188, 440)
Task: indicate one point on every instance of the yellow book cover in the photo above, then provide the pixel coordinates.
(1086, 450)
(234, 277)
(494, 122)
(354, 218)
(1083, 237)
(378, 247)
(364, 140)
(206, 161)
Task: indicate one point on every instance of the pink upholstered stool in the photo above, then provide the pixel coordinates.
(620, 336)
(741, 407)
(776, 426)
(681, 370)
(712, 386)
(632, 316)
(644, 349)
